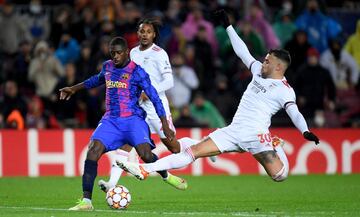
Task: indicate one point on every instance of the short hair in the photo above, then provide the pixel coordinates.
(155, 24)
(119, 41)
(282, 54)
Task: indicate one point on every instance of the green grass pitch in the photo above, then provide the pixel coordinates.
(313, 195)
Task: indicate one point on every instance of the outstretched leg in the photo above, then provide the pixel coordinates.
(204, 148)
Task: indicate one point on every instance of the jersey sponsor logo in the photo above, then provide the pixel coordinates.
(258, 87)
(115, 84)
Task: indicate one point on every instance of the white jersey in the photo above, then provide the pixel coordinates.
(155, 62)
(261, 100)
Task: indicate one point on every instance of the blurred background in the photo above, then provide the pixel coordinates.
(49, 44)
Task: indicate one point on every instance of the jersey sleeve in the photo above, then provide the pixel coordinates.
(150, 91)
(96, 80)
(255, 68)
(163, 63)
(287, 97)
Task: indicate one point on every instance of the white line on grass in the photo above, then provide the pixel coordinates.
(154, 212)
(242, 213)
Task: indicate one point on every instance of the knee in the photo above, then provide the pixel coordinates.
(174, 150)
(96, 149)
(173, 147)
(147, 157)
(281, 175)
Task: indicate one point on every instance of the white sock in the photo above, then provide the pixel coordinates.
(280, 152)
(87, 200)
(116, 172)
(173, 161)
(186, 142)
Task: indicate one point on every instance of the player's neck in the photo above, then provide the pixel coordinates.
(144, 47)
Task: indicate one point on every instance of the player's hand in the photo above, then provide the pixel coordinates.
(222, 17)
(144, 97)
(66, 93)
(168, 133)
(311, 137)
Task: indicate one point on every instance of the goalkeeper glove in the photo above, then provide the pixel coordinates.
(222, 17)
(311, 137)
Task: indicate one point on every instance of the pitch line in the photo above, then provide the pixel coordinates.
(242, 213)
(246, 214)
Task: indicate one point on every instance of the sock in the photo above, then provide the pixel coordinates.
(173, 161)
(187, 142)
(115, 172)
(88, 178)
(86, 200)
(163, 173)
(280, 152)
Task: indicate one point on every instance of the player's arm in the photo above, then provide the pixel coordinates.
(237, 43)
(151, 92)
(164, 67)
(93, 81)
(299, 121)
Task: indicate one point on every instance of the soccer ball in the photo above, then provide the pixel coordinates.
(118, 197)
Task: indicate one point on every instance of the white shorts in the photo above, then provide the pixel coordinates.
(229, 139)
(155, 125)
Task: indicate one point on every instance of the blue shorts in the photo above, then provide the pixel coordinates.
(113, 133)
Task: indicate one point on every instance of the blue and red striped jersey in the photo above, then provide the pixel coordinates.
(123, 89)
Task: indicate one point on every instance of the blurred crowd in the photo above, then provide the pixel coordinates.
(46, 45)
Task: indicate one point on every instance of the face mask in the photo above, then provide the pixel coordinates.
(42, 56)
(35, 8)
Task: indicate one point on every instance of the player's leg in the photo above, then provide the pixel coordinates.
(205, 148)
(121, 154)
(103, 139)
(96, 149)
(272, 164)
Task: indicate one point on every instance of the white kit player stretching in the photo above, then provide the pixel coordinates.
(267, 93)
(155, 61)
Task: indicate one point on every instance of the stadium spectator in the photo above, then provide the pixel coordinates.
(314, 87)
(263, 27)
(37, 21)
(21, 67)
(120, 119)
(319, 27)
(352, 45)
(222, 98)
(253, 40)
(186, 120)
(284, 27)
(343, 68)
(13, 29)
(195, 22)
(205, 112)
(63, 19)
(85, 28)
(68, 50)
(45, 71)
(35, 117)
(203, 60)
(298, 47)
(177, 41)
(185, 81)
(11, 101)
(66, 111)
(86, 65)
